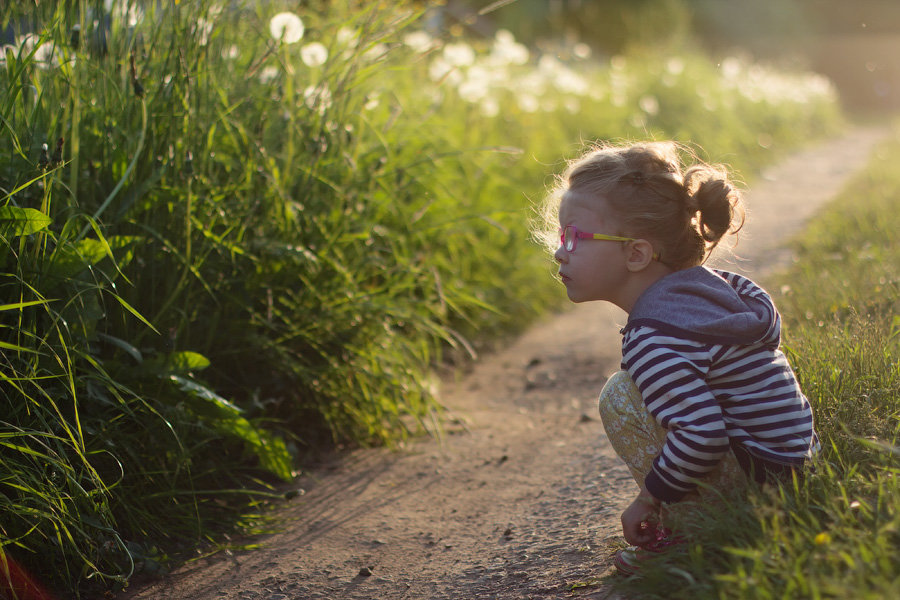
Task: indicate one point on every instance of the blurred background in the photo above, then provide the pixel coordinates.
(855, 44)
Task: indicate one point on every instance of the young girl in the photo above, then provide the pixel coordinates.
(705, 400)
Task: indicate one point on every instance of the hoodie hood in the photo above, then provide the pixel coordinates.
(710, 306)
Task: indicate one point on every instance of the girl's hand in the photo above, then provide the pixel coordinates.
(640, 518)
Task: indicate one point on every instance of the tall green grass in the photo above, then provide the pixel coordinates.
(219, 252)
(836, 534)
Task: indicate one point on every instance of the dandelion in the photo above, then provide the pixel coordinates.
(268, 74)
(45, 55)
(317, 98)
(286, 27)
(313, 54)
(438, 69)
(490, 107)
(124, 11)
(376, 52)
(507, 50)
(504, 36)
(372, 101)
(473, 90)
(649, 104)
(347, 37)
(511, 54)
(528, 103)
(675, 65)
(231, 52)
(459, 54)
(202, 30)
(731, 68)
(581, 50)
(419, 41)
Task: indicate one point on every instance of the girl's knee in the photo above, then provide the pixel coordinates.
(618, 393)
(619, 389)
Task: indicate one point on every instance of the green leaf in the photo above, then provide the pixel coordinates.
(225, 417)
(16, 221)
(122, 345)
(70, 259)
(17, 348)
(20, 305)
(134, 311)
(179, 363)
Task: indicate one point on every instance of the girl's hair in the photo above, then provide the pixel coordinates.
(684, 211)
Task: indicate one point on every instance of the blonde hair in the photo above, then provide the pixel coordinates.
(685, 211)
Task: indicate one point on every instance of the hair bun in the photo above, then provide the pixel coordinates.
(717, 202)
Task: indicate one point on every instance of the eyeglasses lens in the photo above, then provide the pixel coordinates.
(569, 238)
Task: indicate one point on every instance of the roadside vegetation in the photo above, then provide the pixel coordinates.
(230, 236)
(836, 534)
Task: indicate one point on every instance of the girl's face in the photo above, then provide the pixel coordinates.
(596, 269)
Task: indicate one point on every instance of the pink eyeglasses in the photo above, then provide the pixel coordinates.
(569, 236)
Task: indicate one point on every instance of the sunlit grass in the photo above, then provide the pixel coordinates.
(836, 533)
(225, 240)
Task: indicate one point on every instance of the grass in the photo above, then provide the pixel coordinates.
(836, 534)
(206, 276)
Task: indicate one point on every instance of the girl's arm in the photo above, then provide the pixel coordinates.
(670, 373)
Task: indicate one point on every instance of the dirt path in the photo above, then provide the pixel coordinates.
(522, 495)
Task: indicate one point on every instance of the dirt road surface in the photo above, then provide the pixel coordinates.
(521, 496)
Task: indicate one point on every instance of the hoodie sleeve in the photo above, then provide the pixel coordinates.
(670, 373)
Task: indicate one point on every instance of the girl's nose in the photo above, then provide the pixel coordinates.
(561, 255)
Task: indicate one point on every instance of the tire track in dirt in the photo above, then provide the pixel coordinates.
(521, 496)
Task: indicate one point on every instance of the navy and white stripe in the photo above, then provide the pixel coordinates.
(710, 395)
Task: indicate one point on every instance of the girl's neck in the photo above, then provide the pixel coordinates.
(639, 282)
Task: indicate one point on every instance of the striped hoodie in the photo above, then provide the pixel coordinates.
(702, 347)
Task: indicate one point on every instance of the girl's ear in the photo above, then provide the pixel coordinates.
(639, 254)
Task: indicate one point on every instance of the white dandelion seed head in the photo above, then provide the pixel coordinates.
(549, 64)
(581, 51)
(314, 54)
(372, 101)
(459, 54)
(731, 68)
(202, 31)
(509, 53)
(675, 65)
(439, 68)
(376, 52)
(649, 104)
(268, 74)
(419, 41)
(490, 107)
(473, 90)
(504, 36)
(286, 27)
(317, 98)
(124, 11)
(528, 103)
(347, 36)
(46, 55)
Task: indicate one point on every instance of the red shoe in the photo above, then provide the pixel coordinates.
(627, 560)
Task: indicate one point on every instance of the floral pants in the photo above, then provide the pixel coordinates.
(638, 439)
